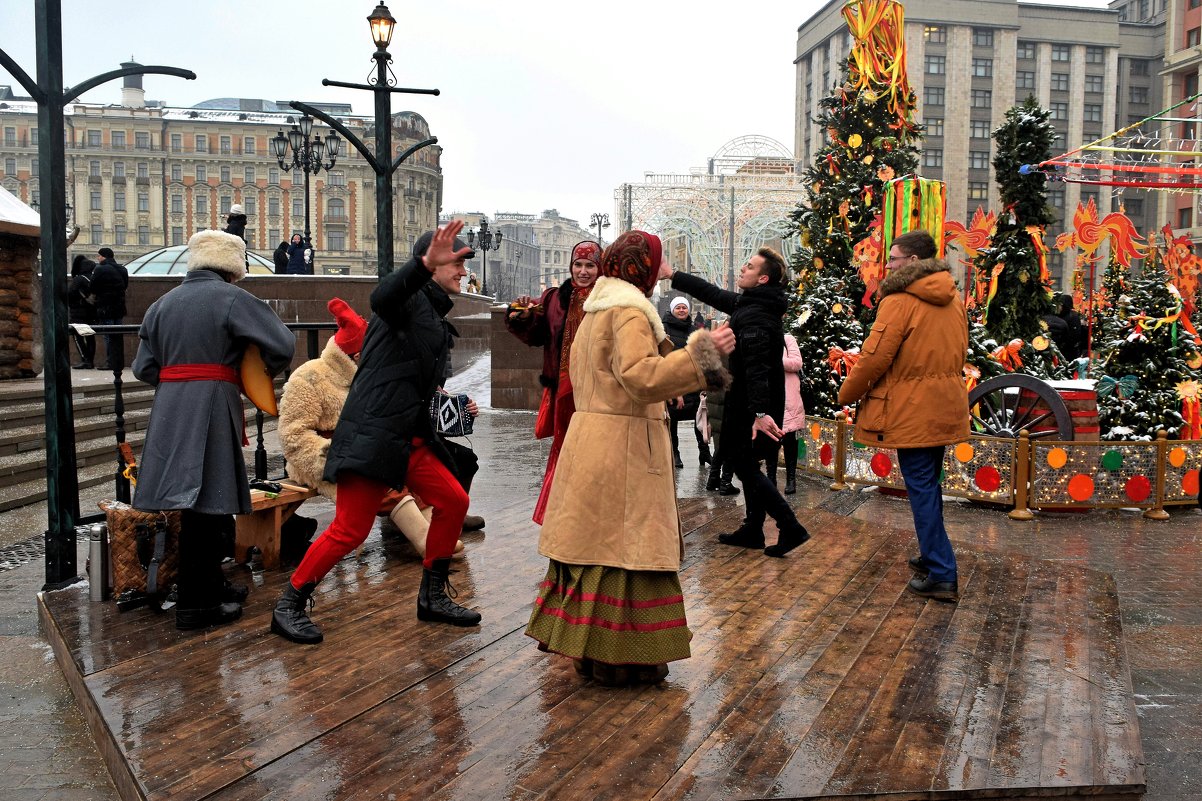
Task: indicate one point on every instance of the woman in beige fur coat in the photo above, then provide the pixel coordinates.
(313, 400)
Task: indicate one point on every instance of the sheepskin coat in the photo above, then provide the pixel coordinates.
(313, 400)
(613, 502)
(909, 381)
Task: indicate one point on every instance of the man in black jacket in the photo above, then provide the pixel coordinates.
(109, 282)
(385, 438)
(756, 398)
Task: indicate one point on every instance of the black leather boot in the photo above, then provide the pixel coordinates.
(726, 488)
(715, 478)
(703, 454)
(790, 537)
(434, 604)
(291, 620)
(202, 618)
(676, 458)
(790, 482)
(743, 537)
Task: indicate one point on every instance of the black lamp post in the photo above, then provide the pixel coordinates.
(306, 155)
(382, 84)
(62, 481)
(599, 221)
(487, 241)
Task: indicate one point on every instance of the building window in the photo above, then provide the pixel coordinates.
(224, 143)
(202, 173)
(336, 240)
(978, 129)
(982, 67)
(202, 204)
(33, 168)
(1024, 79)
(177, 143)
(936, 65)
(1059, 81)
(10, 137)
(202, 143)
(10, 166)
(1192, 37)
(248, 145)
(223, 204)
(934, 126)
(142, 140)
(143, 234)
(298, 207)
(95, 203)
(935, 34)
(1059, 111)
(1061, 52)
(273, 206)
(143, 169)
(1095, 55)
(1195, 3)
(248, 204)
(119, 232)
(337, 178)
(143, 201)
(94, 169)
(336, 208)
(177, 204)
(97, 234)
(932, 158)
(273, 176)
(118, 169)
(982, 37)
(177, 172)
(932, 95)
(1025, 50)
(982, 98)
(1184, 218)
(1139, 67)
(1134, 206)
(1094, 83)
(1092, 112)
(273, 235)
(177, 235)
(118, 139)
(978, 159)
(225, 174)
(978, 190)
(1056, 197)
(119, 201)
(33, 136)
(249, 175)
(1139, 94)
(93, 138)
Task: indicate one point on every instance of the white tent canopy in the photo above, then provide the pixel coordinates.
(16, 217)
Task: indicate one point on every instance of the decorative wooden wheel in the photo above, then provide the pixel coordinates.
(1005, 405)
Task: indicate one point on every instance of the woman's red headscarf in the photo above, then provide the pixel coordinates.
(634, 257)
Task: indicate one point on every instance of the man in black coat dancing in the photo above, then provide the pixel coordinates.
(755, 401)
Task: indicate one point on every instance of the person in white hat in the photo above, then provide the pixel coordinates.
(235, 223)
(678, 325)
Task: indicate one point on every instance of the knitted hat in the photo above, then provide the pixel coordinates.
(351, 327)
(106, 252)
(237, 209)
(633, 257)
(679, 300)
(217, 250)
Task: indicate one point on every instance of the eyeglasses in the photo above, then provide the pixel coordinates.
(898, 258)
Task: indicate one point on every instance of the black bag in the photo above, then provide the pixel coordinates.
(449, 415)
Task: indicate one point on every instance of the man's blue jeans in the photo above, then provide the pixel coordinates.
(920, 468)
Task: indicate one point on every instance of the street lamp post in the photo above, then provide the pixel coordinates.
(599, 221)
(382, 84)
(307, 155)
(487, 241)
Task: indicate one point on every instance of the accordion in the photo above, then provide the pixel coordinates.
(449, 415)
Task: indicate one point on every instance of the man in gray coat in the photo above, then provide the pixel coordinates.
(191, 344)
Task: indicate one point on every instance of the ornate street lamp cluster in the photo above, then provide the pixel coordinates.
(599, 221)
(297, 151)
(487, 241)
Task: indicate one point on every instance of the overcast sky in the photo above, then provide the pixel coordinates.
(545, 103)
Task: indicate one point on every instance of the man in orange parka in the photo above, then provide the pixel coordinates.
(909, 383)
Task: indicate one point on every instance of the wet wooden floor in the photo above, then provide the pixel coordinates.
(812, 676)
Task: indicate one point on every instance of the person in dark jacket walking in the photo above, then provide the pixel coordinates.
(280, 258)
(300, 257)
(191, 343)
(678, 327)
(109, 282)
(385, 438)
(235, 223)
(82, 309)
(756, 398)
(1076, 337)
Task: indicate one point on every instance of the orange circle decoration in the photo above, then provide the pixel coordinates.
(837, 308)
(1080, 488)
(964, 453)
(815, 431)
(881, 464)
(1194, 361)
(1138, 488)
(1177, 457)
(1057, 458)
(1040, 343)
(1189, 482)
(988, 479)
(826, 455)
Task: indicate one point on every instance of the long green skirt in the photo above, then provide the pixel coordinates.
(610, 615)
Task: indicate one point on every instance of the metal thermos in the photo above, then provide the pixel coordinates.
(98, 562)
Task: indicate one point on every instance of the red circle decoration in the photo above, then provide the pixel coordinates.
(1138, 488)
(1189, 482)
(1080, 488)
(882, 465)
(825, 455)
(988, 479)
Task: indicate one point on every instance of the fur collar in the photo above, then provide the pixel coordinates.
(902, 277)
(342, 367)
(609, 293)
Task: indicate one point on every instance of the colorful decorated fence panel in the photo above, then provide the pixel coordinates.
(1093, 475)
(1182, 465)
(816, 446)
(981, 468)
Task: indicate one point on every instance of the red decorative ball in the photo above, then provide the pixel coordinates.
(882, 465)
(1138, 488)
(825, 455)
(987, 479)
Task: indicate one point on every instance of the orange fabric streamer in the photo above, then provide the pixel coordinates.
(972, 377)
(878, 56)
(993, 276)
(1007, 355)
(841, 361)
(1041, 253)
(1191, 412)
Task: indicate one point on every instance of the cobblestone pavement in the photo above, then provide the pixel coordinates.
(47, 752)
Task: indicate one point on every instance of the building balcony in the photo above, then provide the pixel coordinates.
(336, 219)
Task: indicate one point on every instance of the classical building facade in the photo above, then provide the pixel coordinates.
(1096, 70)
(142, 175)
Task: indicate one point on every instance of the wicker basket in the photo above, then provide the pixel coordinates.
(130, 558)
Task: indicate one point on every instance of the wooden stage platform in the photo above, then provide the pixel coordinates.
(815, 676)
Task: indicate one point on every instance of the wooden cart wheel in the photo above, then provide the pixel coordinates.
(997, 411)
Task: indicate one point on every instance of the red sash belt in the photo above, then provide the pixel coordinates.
(203, 372)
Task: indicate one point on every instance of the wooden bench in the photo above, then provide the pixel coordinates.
(261, 528)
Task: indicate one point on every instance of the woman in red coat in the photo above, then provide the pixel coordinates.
(552, 324)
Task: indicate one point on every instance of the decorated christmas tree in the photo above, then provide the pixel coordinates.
(1013, 268)
(822, 316)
